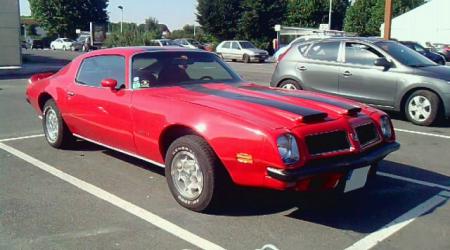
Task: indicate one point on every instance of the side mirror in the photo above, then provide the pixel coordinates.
(382, 62)
(109, 83)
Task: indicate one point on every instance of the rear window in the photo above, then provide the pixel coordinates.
(326, 51)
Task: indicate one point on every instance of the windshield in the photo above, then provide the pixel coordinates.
(247, 45)
(167, 43)
(158, 69)
(193, 42)
(404, 54)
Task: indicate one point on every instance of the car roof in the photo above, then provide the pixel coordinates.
(128, 51)
(350, 38)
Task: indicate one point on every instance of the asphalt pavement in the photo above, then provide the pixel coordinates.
(90, 197)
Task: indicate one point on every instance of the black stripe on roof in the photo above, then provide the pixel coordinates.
(308, 115)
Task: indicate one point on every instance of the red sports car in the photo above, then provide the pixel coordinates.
(187, 111)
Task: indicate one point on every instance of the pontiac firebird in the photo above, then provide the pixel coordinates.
(189, 112)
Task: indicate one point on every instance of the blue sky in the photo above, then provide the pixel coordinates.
(173, 13)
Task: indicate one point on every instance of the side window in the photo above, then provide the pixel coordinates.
(95, 69)
(326, 51)
(302, 48)
(235, 45)
(357, 53)
(226, 45)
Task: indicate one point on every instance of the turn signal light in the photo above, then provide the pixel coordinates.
(244, 158)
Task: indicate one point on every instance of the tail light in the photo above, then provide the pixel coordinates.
(283, 55)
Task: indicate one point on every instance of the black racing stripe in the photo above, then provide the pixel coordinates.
(307, 114)
(351, 109)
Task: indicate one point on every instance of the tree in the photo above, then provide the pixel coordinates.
(366, 16)
(258, 18)
(312, 13)
(219, 17)
(63, 17)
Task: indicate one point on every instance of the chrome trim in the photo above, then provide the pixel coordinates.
(121, 151)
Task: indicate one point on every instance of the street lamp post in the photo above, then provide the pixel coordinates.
(387, 19)
(121, 22)
(329, 15)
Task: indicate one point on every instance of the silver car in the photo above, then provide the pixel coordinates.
(385, 74)
(241, 50)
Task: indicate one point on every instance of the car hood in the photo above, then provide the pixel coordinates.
(440, 72)
(270, 107)
(255, 50)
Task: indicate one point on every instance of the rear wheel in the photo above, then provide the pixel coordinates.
(193, 173)
(290, 84)
(56, 132)
(422, 107)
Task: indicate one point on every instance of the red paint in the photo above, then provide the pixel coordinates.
(136, 121)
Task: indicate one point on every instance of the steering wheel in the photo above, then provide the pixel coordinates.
(206, 78)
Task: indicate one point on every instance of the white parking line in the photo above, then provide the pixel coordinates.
(376, 237)
(21, 138)
(422, 133)
(424, 183)
(116, 201)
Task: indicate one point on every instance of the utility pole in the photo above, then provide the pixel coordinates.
(329, 15)
(194, 30)
(387, 19)
(121, 22)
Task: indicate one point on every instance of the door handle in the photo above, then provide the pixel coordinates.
(302, 68)
(70, 93)
(347, 73)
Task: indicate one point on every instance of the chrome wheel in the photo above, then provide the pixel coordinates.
(51, 125)
(419, 108)
(289, 86)
(187, 175)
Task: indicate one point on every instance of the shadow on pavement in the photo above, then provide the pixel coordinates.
(364, 211)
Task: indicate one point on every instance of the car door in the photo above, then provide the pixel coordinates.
(319, 68)
(235, 51)
(99, 113)
(361, 80)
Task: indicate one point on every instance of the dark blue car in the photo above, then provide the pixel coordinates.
(435, 57)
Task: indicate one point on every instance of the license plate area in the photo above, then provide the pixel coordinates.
(356, 179)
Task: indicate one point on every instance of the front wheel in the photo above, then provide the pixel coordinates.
(56, 132)
(192, 173)
(422, 107)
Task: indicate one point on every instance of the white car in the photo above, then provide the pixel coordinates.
(241, 50)
(62, 43)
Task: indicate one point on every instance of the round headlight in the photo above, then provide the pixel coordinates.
(386, 128)
(288, 148)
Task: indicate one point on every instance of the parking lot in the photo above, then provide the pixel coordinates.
(90, 197)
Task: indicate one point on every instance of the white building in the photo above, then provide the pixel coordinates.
(429, 22)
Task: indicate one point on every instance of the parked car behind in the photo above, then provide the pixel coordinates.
(435, 57)
(298, 40)
(83, 43)
(62, 43)
(189, 43)
(163, 42)
(34, 44)
(381, 73)
(443, 49)
(241, 50)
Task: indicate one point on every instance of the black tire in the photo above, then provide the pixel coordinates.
(432, 98)
(284, 84)
(262, 61)
(64, 137)
(211, 169)
(246, 58)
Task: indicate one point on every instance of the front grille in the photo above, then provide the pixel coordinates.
(327, 142)
(367, 134)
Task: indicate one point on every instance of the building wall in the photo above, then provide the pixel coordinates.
(10, 47)
(429, 22)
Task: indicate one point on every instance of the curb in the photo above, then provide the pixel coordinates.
(29, 69)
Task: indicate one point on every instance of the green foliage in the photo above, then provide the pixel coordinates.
(219, 17)
(366, 16)
(258, 18)
(63, 17)
(130, 38)
(311, 13)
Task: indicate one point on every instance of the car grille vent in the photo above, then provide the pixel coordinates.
(327, 142)
(367, 134)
